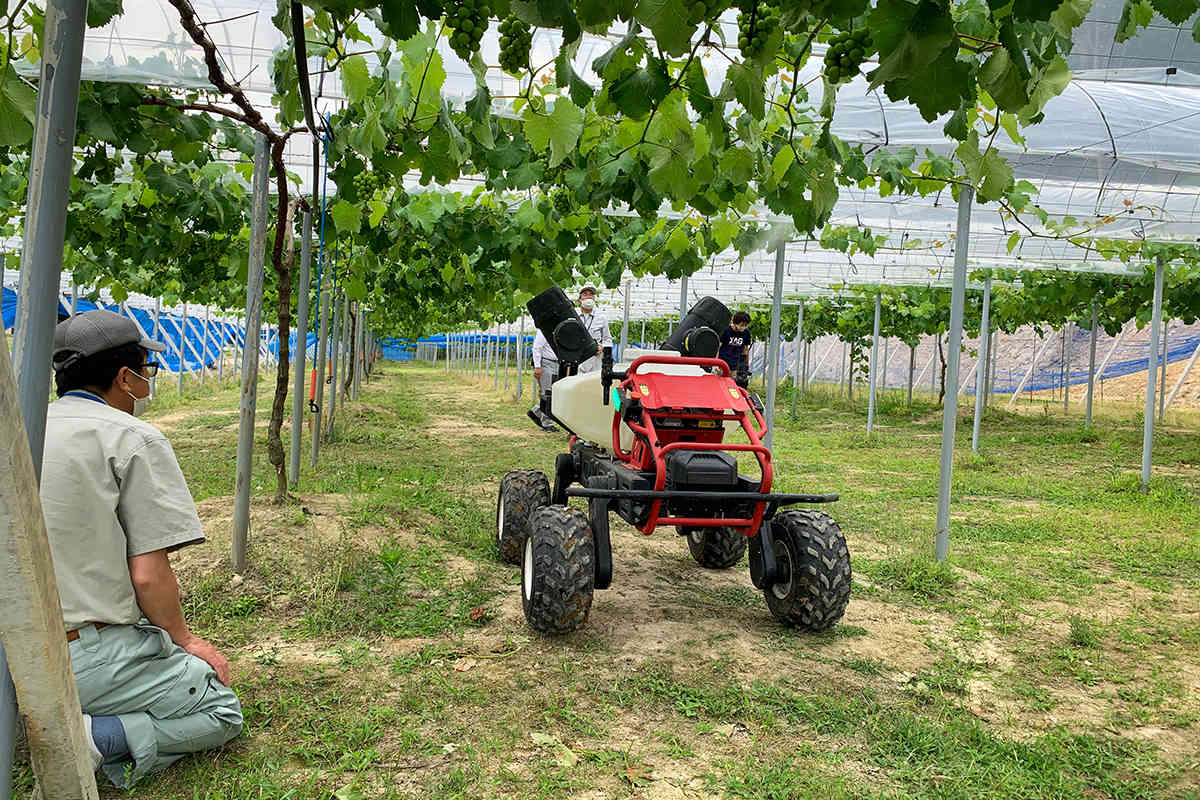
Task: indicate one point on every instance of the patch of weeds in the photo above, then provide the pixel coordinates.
(780, 779)
(1082, 633)
(1038, 698)
(946, 676)
(865, 666)
(919, 575)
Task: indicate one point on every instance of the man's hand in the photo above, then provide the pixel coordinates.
(206, 651)
(537, 373)
(599, 350)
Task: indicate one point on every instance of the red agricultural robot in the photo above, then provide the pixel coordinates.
(649, 440)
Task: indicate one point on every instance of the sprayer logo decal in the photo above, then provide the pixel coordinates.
(733, 393)
(645, 389)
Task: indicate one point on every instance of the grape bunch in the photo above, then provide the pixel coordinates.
(365, 184)
(469, 19)
(700, 10)
(756, 22)
(846, 53)
(562, 202)
(515, 39)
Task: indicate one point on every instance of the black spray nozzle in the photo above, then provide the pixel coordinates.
(554, 315)
(699, 333)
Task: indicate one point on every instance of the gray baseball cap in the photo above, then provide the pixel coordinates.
(92, 332)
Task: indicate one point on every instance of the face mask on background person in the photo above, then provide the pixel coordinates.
(141, 404)
(587, 303)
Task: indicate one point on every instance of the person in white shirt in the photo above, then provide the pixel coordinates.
(545, 368)
(596, 324)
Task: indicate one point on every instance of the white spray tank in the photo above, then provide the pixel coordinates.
(579, 402)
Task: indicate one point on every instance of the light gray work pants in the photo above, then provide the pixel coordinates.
(168, 700)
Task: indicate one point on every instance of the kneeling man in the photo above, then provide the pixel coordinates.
(116, 505)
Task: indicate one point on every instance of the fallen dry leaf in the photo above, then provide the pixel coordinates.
(464, 664)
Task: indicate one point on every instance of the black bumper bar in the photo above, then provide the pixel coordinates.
(667, 494)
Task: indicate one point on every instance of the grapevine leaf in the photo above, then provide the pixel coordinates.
(743, 85)
(1177, 12)
(400, 17)
(783, 160)
(678, 242)
(559, 130)
(635, 93)
(378, 209)
(1003, 81)
(667, 20)
(101, 12)
(568, 78)
(699, 95)
(935, 97)
(1049, 82)
(1196, 30)
(1137, 14)
(346, 216)
(1039, 10)
(356, 78)
(597, 15)
(1069, 16)
(909, 38)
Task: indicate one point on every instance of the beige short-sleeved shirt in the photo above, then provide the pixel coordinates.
(111, 489)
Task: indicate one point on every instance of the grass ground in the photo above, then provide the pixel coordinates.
(380, 650)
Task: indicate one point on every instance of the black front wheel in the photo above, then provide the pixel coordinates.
(812, 586)
(559, 570)
(522, 491)
(715, 548)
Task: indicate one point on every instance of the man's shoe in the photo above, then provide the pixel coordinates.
(97, 759)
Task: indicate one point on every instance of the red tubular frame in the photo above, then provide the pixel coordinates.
(649, 434)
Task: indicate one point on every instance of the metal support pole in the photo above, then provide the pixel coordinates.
(1155, 328)
(683, 301)
(157, 309)
(625, 320)
(334, 363)
(345, 346)
(508, 346)
(883, 373)
(301, 349)
(1162, 386)
(183, 346)
(773, 346)
(325, 301)
(1182, 378)
(50, 168)
(204, 345)
(1068, 341)
(871, 378)
(1032, 366)
(985, 338)
(1091, 384)
(360, 340)
(796, 363)
(966, 197)
(520, 356)
(254, 294)
(642, 338)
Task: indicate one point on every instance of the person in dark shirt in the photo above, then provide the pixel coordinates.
(735, 342)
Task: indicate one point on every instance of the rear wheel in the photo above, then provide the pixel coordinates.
(522, 491)
(715, 548)
(559, 570)
(812, 587)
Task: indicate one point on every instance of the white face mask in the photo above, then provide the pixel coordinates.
(141, 404)
(587, 303)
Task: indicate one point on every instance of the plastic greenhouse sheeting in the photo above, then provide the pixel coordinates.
(202, 347)
(1014, 355)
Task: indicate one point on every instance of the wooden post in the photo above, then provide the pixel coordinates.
(32, 624)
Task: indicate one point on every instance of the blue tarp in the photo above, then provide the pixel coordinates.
(200, 345)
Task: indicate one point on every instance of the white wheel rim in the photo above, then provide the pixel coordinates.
(527, 572)
(783, 589)
(500, 521)
(696, 535)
